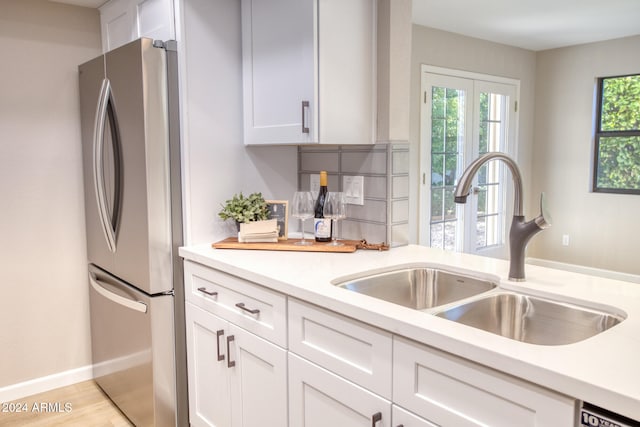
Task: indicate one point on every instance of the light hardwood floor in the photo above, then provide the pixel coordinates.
(82, 404)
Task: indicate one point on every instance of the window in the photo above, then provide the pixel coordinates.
(617, 138)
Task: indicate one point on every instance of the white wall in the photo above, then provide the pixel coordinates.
(602, 228)
(44, 308)
(216, 162)
(449, 50)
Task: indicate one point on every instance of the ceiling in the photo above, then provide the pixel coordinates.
(532, 24)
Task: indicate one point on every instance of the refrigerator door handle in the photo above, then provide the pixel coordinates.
(98, 164)
(125, 302)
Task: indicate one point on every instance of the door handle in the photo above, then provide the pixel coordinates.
(230, 363)
(98, 174)
(305, 108)
(219, 333)
(375, 418)
(125, 302)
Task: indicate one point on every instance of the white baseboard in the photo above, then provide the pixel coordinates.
(609, 274)
(42, 384)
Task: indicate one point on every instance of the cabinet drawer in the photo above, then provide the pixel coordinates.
(403, 418)
(448, 390)
(237, 300)
(351, 349)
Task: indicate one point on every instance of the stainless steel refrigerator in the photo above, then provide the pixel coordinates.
(131, 155)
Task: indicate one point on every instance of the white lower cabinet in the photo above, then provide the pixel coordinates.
(259, 358)
(319, 398)
(451, 391)
(235, 377)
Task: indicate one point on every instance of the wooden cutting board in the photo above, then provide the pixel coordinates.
(287, 245)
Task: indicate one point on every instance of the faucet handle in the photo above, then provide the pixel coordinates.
(544, 219)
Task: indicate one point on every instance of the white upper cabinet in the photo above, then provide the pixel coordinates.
(123, 21)
(309, 71)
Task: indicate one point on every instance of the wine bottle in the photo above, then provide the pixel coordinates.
(321, 225)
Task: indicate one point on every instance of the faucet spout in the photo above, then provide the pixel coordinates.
(464, 184)
(520, 232)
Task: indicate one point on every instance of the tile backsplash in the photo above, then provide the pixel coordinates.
(384, 217)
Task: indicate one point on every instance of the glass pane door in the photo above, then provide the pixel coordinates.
(461, 120)
(450, 133)
(447, 137)
(487, 229)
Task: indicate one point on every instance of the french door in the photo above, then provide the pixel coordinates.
(462, 117)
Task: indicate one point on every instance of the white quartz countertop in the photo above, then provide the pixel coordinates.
(603, 370)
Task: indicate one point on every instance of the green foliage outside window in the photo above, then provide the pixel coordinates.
(618, 135)
(445, 123)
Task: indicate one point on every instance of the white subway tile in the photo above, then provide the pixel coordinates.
(364, 162)
(400, 162)
(372, 233)
(372, 210)
(317, 161)
(399, 187)
(400, 235)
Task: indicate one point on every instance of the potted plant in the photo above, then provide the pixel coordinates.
(245, 209)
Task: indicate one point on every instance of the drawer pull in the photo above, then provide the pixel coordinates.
(375, 418)
(230, 363)
(219, 333)
(241, 306)
(305, 108)
(205, 291)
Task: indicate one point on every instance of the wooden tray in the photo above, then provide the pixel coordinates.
(287, 245)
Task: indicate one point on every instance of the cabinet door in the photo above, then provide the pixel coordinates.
(209, 398)
(123, 21)
(155, 19)
(117, 22)
(347, 64)
(319, 398)
(258, 380)
(279, 66)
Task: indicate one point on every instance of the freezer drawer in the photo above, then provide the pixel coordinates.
(132, 346)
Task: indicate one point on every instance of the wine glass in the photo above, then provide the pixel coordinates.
(302, 208)
(335, 209)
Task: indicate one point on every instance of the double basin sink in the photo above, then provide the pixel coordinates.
(479, 302)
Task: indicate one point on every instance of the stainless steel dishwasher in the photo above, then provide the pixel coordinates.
(593, 416)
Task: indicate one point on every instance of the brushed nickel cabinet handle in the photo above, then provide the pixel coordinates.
(219, 333)
(205, 291)
(230, 363)
(305, 106)
(375, 418)
(241, 306)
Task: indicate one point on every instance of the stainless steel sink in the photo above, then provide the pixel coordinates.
(531, 319)
(419, 287)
